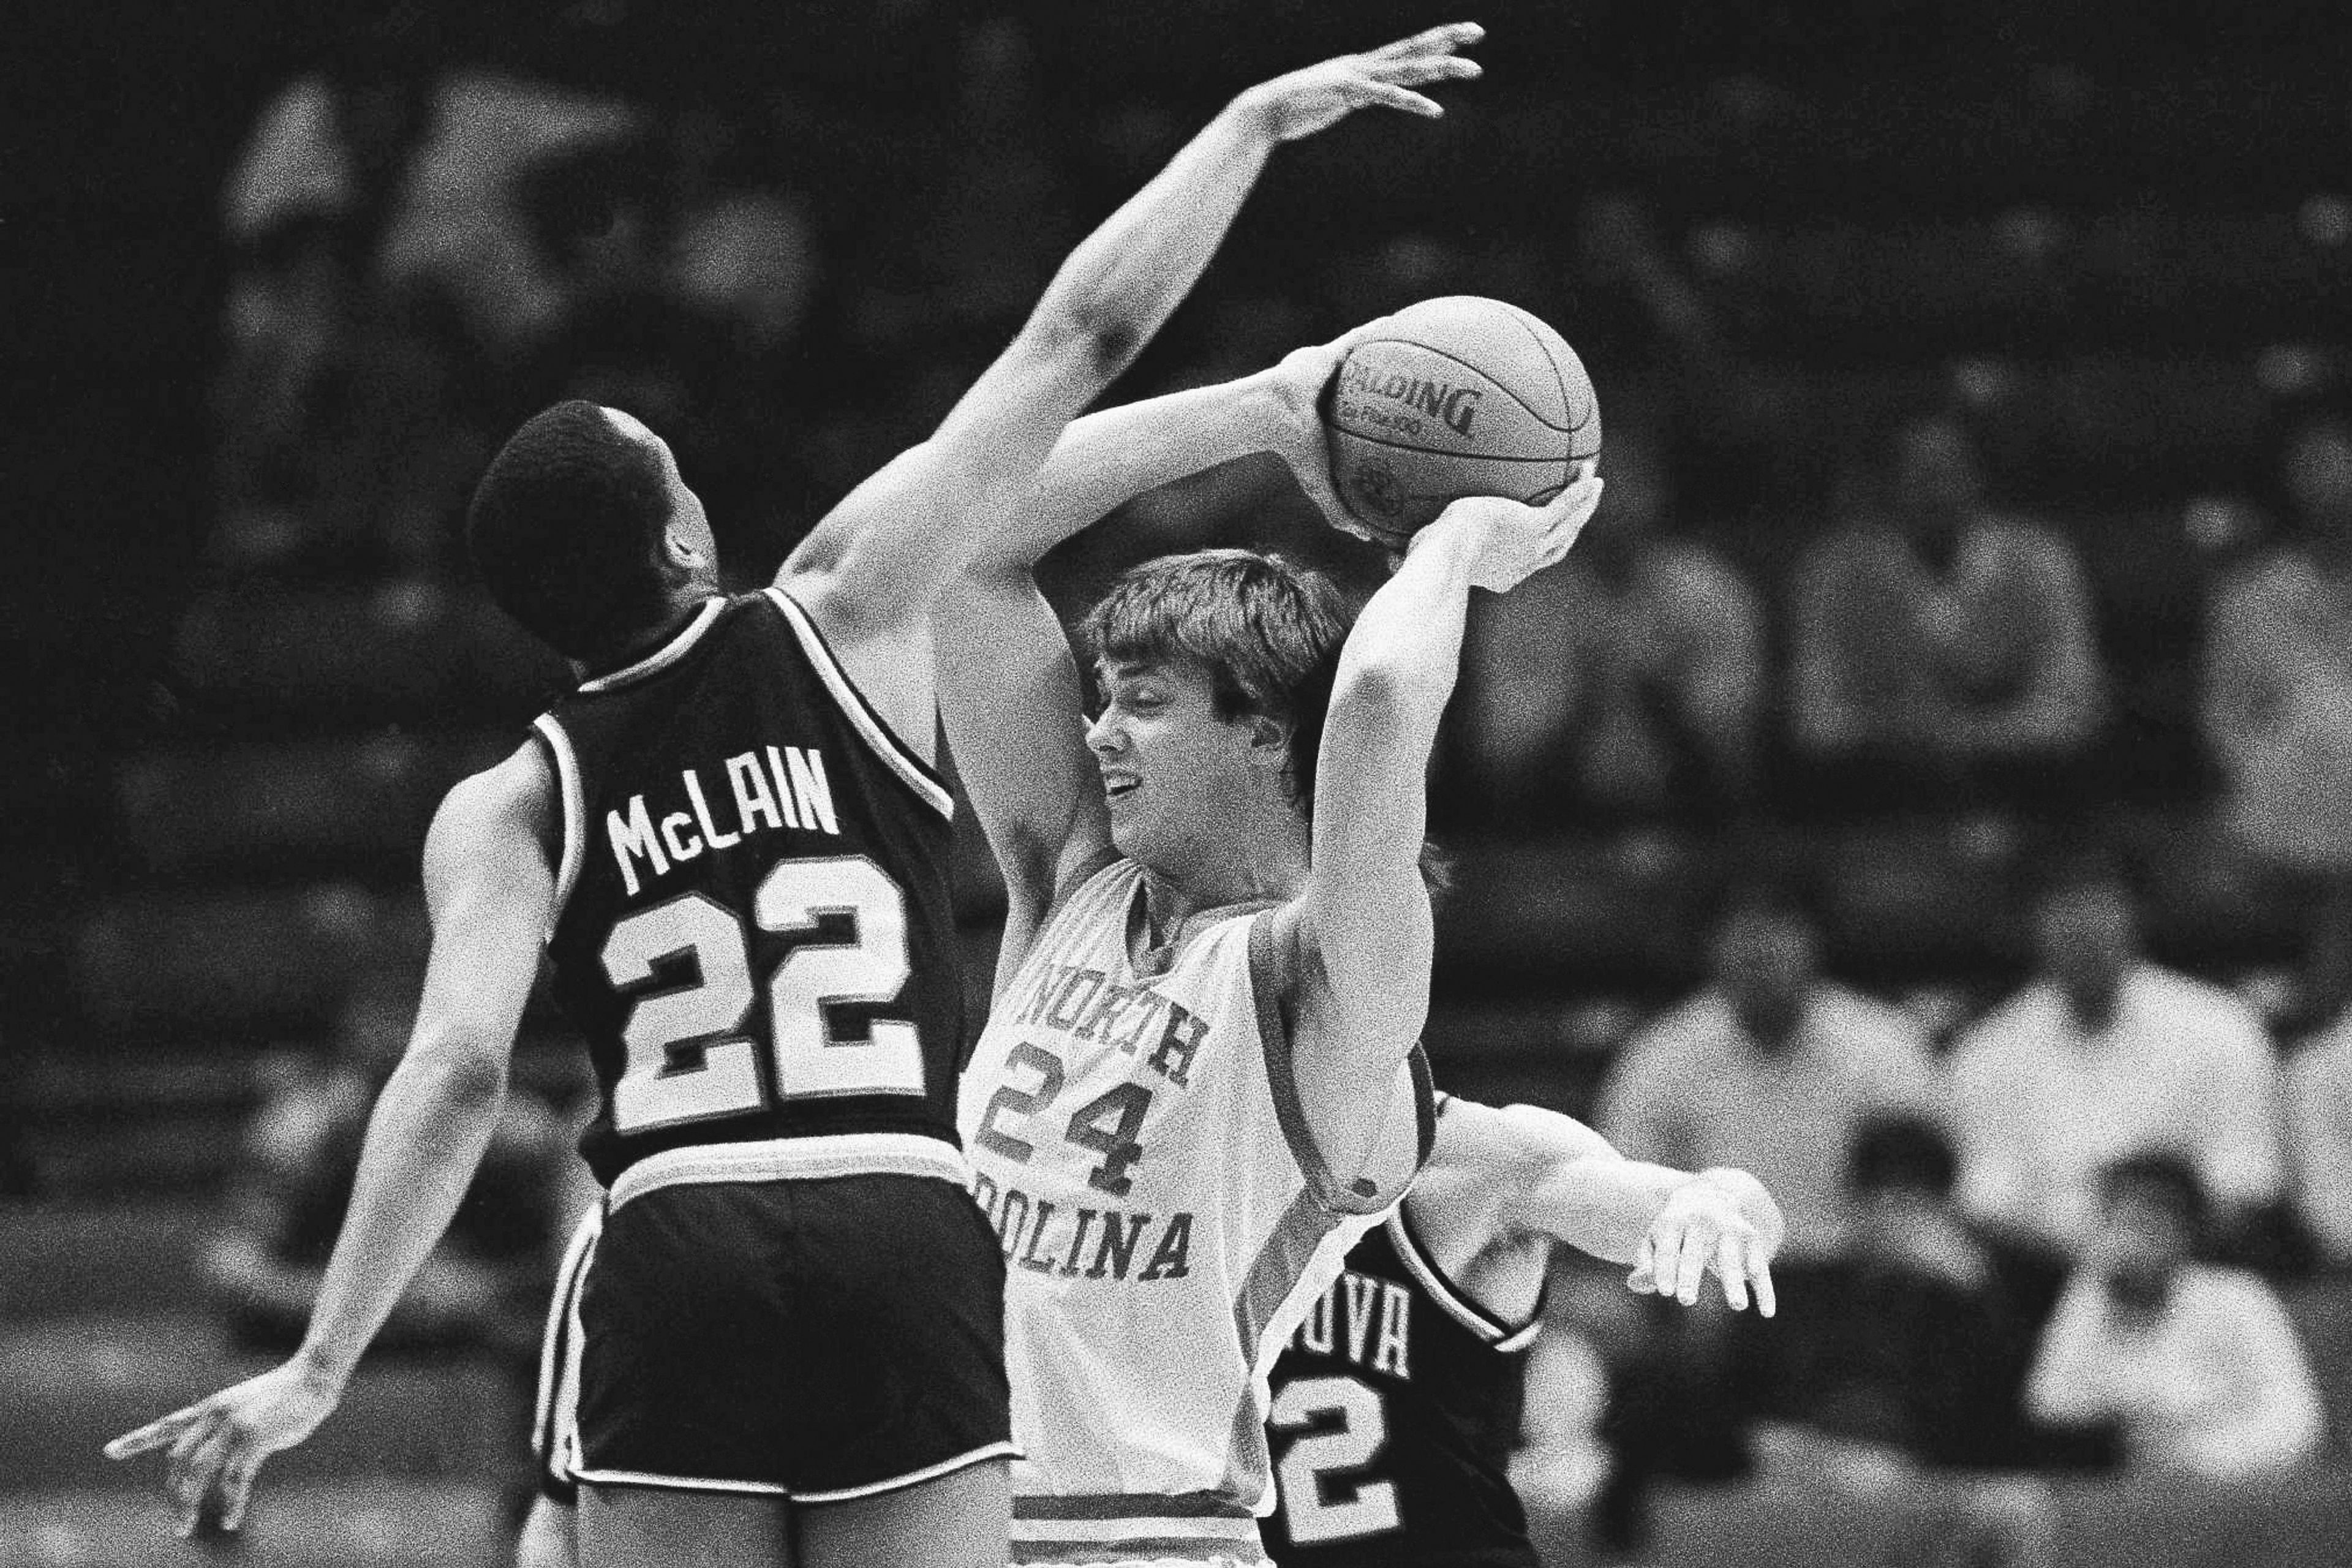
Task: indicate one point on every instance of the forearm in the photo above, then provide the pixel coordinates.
(1106, 459)
(1130, 274)
(1403, 657)
(1603, 1204)
(424, 1144)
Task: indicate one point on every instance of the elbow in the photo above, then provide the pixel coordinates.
(466, 1074)
(1095, 332)
(1389, 696)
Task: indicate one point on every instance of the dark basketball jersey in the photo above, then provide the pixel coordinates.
(1396, 1406)
(754, 930)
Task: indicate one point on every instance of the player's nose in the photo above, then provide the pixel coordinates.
(1104, 736)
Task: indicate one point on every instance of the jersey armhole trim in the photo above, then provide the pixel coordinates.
(912, 770)
(1457, 1303)
(1281, 1079)
(575, 810)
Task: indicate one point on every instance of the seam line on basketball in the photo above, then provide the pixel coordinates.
(1545, 349)
(1484, 376)
(1466, 457)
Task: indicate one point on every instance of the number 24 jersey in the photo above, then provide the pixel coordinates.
(1137, 1142)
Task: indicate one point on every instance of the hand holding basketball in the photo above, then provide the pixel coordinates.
(1306, 101)
(1451, 397)
(1297, 433)
(1509, 542)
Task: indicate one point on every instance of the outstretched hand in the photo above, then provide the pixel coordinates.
(1509, 541)
(1704, 1227)
(217, 1444)
(1306, 101)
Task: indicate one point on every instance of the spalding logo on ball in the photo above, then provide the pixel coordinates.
(1458, 396)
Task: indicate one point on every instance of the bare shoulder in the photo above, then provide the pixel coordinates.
(490, 818)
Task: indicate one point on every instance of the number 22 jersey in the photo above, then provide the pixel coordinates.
(754, 930)
(1137, 1142)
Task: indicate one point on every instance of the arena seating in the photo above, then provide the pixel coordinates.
(2105, 263)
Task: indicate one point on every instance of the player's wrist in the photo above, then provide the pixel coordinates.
(1250, 114)
(323, 1371)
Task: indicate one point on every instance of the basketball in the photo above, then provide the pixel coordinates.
(1457, 396)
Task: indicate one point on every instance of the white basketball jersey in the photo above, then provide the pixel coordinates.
(1137, 1142)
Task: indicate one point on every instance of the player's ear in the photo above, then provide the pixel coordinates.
(1269, 740)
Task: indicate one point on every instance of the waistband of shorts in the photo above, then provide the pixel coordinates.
(1114, 1527)
(794, 1159)
(1164, 1553)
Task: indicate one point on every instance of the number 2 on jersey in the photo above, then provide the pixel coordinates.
(685, 1063)
(1308, 1467)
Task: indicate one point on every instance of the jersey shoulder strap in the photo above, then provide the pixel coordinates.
(894, 753)
(1456, 1303)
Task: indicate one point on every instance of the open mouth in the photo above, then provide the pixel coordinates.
(1118, 786)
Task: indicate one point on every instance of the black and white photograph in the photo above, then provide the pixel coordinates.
(1177, 783)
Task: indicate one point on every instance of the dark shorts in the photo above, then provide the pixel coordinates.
(555, 1424)
(814, 1339)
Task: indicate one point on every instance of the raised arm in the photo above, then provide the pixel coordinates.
(1354, 948)
(490, 893)
(1008, 686)
(873, 569)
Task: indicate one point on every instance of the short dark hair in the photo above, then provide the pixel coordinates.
(1268, 632)
(2165, 1174)
(566, 526)
(1898, 1149)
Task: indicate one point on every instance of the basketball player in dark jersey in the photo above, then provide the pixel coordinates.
(1396, 1406)
(730, 840)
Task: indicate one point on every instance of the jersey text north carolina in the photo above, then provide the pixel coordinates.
(1137, 1141)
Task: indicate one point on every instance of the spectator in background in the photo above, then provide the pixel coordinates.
(2319, 1137)
(1771, 1069)
(1642, 1380)
(304, 212)
(2278, 700)
(1941, 651)
(2199, 1367)
(1912, 1348)
(2104, 1052)
(484, 1289)
(1627, 681)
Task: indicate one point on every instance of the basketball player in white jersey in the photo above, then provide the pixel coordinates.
(1200, 1082)
(736, 1129)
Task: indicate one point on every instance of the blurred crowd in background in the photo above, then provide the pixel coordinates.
(1927, 787)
